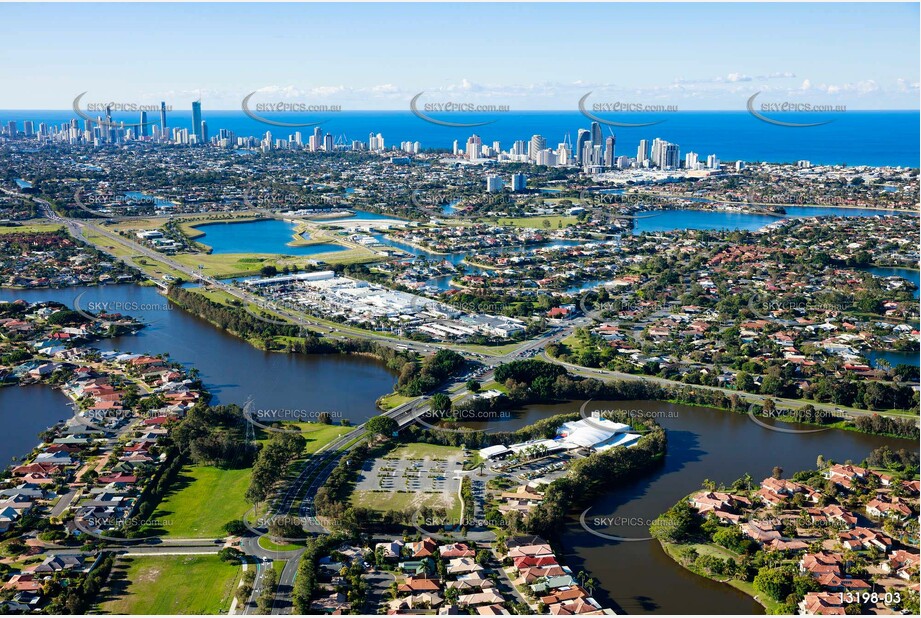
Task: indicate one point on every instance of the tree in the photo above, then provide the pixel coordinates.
(235, 527)
(268, 271)
(267, 598)
(675, 525)
(769, 408)
(382, 426)
(776, 583)
(473, 386)
(440, 405)
(745, 382)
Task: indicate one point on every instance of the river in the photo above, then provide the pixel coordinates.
(231, 369)
(634, 577)
(703, 443)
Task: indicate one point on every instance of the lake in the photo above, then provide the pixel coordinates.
(25, 412)
(266, 236)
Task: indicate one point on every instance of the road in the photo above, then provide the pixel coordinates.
(297, 496)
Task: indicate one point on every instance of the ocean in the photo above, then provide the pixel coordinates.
(852, 137)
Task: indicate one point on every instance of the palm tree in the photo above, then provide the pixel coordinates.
(581, 577)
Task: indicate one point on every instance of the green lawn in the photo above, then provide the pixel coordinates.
(202, 500)
(384, 501)
(224, 265)
(770, 605)
(319, 435)
(537, 222)
(170, 585)
(419, 450)
(388, 402)
(26, 227)
(267, 543)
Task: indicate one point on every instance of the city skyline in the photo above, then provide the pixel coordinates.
(694, 57)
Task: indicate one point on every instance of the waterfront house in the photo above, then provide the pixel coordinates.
(564, 595)
(530, 550)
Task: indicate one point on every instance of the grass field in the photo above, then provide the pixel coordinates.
(319, 435)
(202, 500)
(537, 222)
(388, 402)
(27, 227)
(419, 450)
(152, 268)
(170, 585)
(224, 265)
(406, 501)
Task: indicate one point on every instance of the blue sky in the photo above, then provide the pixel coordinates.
(535, 56)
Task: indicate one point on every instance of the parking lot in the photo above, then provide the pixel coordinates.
(422, 475)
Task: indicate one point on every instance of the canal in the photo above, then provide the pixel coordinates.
(231, 369)
(634, 577)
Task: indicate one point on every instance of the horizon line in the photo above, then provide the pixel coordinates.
(407, 110)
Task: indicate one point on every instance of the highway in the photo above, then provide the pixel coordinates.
(297, 496)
